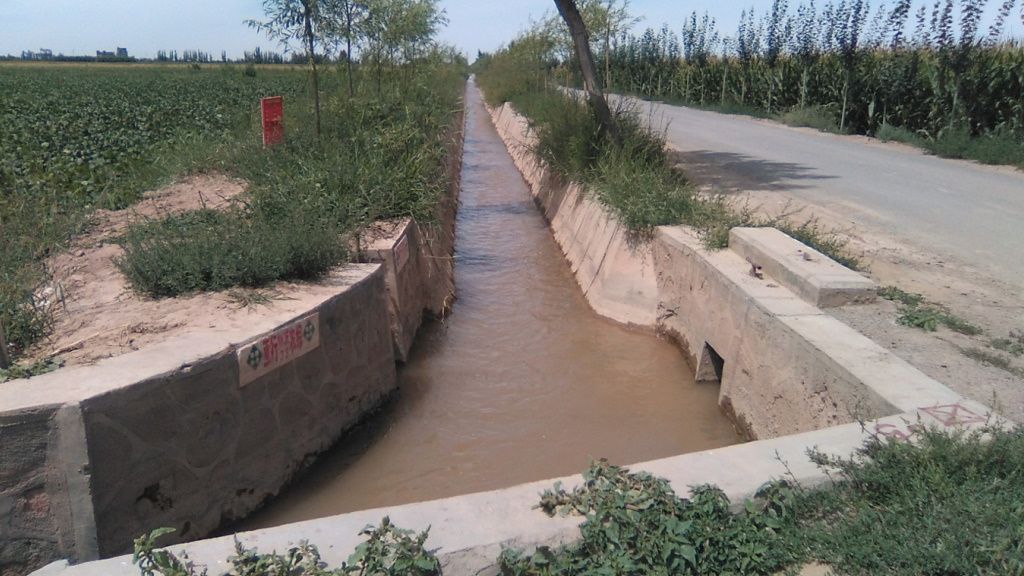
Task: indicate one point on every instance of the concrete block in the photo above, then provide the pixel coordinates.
(813, 276)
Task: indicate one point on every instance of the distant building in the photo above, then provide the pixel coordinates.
(104, 54)
(122, 53)
(43, 54)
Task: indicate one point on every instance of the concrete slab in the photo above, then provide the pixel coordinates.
(814, 276)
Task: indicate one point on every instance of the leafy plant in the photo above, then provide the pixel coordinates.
(392, 551)
(635, 524)
(28, 371)
(915, 312)
(388, 551)
(1013, 344)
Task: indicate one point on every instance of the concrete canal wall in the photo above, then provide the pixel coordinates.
(748, 317)
(187, 433)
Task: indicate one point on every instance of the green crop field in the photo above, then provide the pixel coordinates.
(76, 137)
(84, 134)
(80, 137)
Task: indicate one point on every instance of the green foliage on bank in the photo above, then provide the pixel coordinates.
(915, 312)
(84, 137)
(633, 176)
(945, 503)
(379, 155)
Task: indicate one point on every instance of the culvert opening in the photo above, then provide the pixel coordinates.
(710, 366)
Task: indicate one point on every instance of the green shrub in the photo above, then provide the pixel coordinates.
(817, 117)
(211, 250)
(636, 524)
(388, 551)
(915, 312)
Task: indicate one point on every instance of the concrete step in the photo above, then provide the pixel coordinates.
(812, 275)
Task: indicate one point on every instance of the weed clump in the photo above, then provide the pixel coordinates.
(211, 250)
(915, 312)
(999, 147)
(817, 117)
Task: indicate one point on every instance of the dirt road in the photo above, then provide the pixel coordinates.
(971, 213)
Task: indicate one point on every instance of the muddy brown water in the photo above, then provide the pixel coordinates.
(521, 382)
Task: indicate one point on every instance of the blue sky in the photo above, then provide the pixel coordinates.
(145, 26)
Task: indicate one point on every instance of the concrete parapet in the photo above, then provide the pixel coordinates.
(190, 433)
(784, 366)
(812, 275)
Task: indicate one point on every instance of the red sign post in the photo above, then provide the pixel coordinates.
(273, 120)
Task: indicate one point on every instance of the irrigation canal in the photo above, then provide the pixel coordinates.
(522, 382)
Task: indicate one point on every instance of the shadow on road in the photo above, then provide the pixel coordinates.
(731, 172)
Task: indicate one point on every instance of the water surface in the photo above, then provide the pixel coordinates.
(521, 382)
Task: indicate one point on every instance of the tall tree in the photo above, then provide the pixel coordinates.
(348, 18)
(581, 41)
(303, 20)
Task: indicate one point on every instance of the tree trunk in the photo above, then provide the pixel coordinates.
(5, 355)
(580, 39)
(608, 54)
(348, 48)
(310, 47)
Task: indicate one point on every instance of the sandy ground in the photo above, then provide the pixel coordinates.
(97, 314)
(968, 292)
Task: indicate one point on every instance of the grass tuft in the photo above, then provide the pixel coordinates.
(915, 312)
(817, 117)
(211, 250)
(999, 147)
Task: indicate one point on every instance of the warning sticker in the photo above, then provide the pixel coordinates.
(270, 352)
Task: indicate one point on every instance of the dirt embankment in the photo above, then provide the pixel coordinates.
(97, 313)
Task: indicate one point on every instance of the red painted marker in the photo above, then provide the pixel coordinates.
(273, 120)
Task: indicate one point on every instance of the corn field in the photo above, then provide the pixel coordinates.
(925, 72)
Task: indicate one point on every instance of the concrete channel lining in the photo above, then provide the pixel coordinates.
(468, 532)
(812, 275)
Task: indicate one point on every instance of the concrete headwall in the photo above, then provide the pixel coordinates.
(182, 434)
(41, 450)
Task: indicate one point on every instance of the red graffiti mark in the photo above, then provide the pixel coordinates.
(954, 415)
(894, 432)
(282, 346)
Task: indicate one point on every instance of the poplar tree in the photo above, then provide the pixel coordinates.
(303, 20)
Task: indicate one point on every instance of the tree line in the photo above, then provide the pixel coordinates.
(928, 70)
(925, 70)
